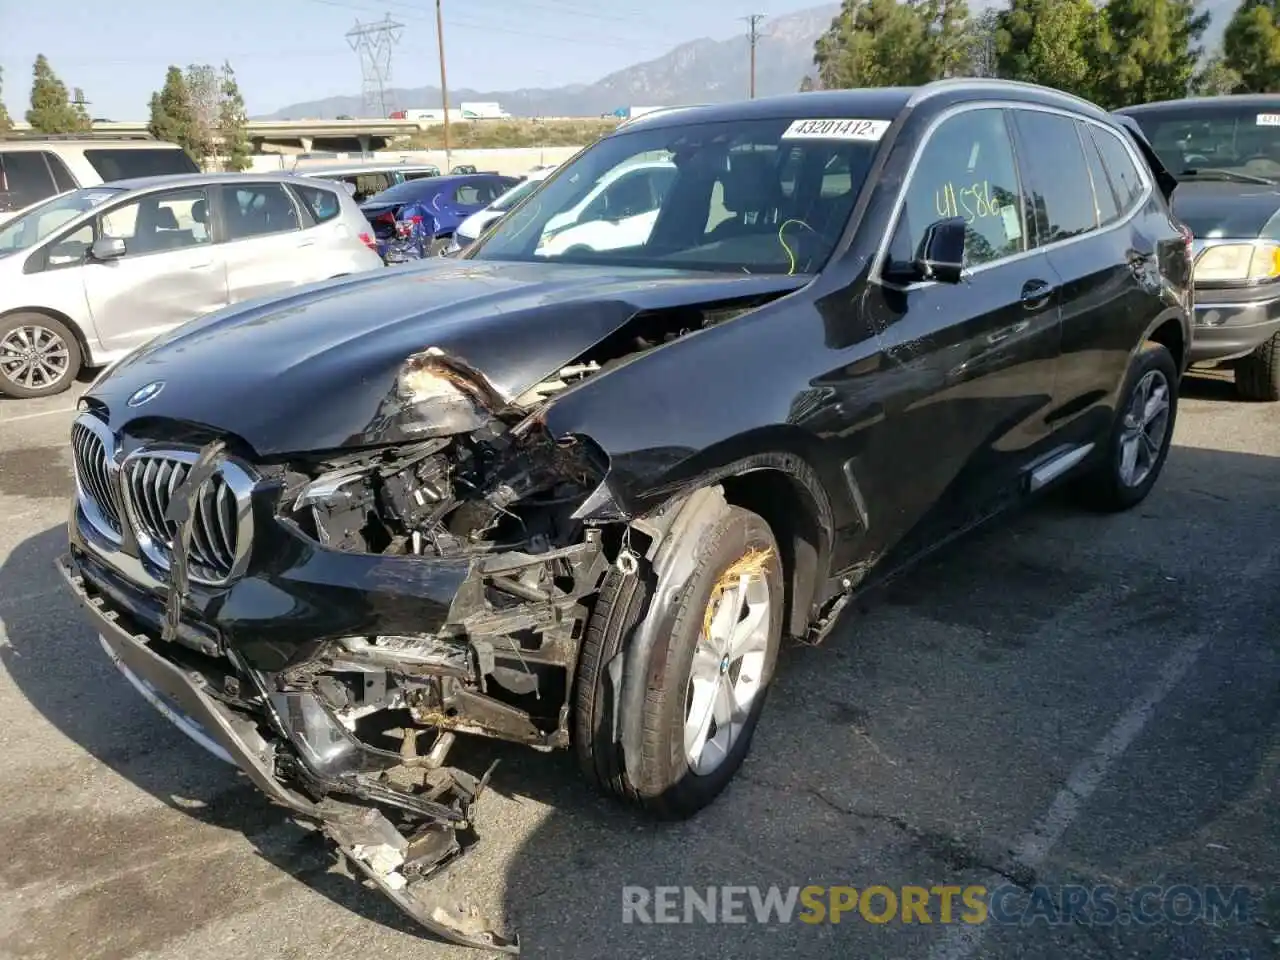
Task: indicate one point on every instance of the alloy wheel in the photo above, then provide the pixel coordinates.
(1144, 429)
(727, 671)
(34, 357)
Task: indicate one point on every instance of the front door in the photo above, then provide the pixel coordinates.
(969, 367)
(171, 272)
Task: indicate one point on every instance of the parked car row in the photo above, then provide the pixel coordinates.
(574, 493)
(90, 275)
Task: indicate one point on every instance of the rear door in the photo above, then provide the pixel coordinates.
(265, 247)
(1087, 228)
(171, 272)
(338, 248)
(970, 365)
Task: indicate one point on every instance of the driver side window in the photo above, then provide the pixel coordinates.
(966, 169)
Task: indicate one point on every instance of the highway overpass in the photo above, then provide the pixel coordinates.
(295, 136)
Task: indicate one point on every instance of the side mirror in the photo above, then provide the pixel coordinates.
(941, 253)
(107, 248)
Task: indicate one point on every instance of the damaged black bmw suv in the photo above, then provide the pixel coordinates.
(723, 370)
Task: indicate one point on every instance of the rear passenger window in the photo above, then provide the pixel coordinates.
(256, 210)
(1060, 188)
(24, 179)
(123, 163)
(323, 204)
(966, 169)
(1119, 163)
(1104, 196)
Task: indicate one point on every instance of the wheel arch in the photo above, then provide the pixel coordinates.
(1170, 331)
(86, 354)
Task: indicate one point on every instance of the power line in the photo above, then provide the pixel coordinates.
(754, 20)
(481, 26)
(373, 42)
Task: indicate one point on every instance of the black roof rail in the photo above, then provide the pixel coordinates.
(83, 135)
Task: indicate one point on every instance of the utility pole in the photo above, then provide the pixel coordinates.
(754, 20)
(444, 87)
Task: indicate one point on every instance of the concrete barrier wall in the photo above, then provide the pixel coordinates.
(512, 161)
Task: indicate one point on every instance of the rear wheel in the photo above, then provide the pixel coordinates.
(1143, 431)
(39, 356)
(1258, 374)
(706, 688)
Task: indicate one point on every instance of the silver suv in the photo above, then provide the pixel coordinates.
(89, 275)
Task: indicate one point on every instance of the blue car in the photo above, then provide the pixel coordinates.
(417, 218)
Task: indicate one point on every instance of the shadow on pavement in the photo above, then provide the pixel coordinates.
(872, 763)
(860, 775)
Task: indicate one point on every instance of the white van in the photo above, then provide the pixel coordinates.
(35, 168)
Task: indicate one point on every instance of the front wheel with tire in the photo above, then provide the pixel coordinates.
(1139, 442)
(39, 356)
(1258, 374)
(705, 689)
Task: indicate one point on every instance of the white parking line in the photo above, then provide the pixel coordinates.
(960, 943)
(32, 416)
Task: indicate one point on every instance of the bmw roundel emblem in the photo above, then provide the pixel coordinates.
(143, 394)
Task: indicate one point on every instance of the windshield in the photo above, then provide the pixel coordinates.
(1212, 141)
(730, 196)
(41, 222)
(515, 195)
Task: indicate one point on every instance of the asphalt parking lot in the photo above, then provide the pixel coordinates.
(1064, 699)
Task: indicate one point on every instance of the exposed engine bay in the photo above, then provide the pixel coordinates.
(354, 731)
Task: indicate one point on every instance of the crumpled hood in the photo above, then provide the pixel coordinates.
(1215, 209)
(314, 370)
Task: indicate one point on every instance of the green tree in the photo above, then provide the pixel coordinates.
(1153, 50)
(980, 43)
(231, 123)
(51, 111)
(1251, 46)
(946, 48)
(6, 124)
(1216, 79)
(171, 114)
(1057, 43)
(876, 43)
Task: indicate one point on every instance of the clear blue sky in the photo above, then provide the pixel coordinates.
(286, 51)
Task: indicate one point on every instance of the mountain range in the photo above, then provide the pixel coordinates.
(700, 71)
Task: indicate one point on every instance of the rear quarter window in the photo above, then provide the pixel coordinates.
(126, 164)
(322, 204)
(24, 179)
(1120, 166)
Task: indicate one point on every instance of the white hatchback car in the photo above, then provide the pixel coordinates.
(90, 275)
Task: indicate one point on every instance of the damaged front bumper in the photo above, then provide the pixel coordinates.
(300, 756)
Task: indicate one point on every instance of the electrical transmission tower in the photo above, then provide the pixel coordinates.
(373, 43)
